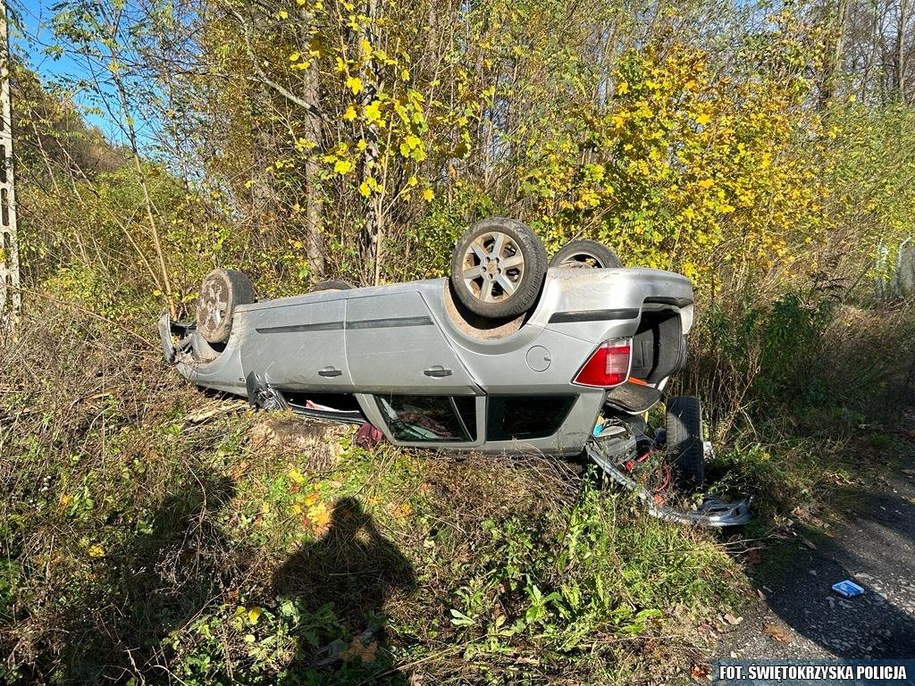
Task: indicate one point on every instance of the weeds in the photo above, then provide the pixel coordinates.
(151, 535)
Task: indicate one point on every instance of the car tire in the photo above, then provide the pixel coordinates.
(685, 449)
(497, 268)
(333, 285)
(585, 254)
(221, 292)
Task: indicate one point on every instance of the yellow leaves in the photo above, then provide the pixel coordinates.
(354, 84)
(319, 516)
(304, 145)
(254, 614)
(404, 74)
(366, 652)
(368, 186)
(644, 110)
(343, 167)
(595, 172)
(338, 158)
(316, 48)
(588, 199)
(412, 148)
(296, 476)
(365, 48)
(403, 511)
(372, 112)
(295, 57)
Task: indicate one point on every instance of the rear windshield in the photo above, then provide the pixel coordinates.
(420, 418)
(524, 416)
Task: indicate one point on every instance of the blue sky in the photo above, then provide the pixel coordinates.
(31, 42)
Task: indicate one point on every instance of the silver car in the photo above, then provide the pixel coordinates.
(507, 355)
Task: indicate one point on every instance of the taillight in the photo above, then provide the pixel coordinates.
(608, 365)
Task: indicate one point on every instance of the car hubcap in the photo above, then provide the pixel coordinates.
(213, 305)
(493, 267)
(581, 260)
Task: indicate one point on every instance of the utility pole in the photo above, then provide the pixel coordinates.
(10, 296)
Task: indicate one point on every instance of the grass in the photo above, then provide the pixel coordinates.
(154, 534)
(151, 533)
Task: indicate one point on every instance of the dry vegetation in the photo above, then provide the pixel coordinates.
(157, 534)
(152, 533)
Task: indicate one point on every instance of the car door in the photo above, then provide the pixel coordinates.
(394, 345)
(298, 346)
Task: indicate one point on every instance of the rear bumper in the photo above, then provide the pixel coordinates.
(713, 512)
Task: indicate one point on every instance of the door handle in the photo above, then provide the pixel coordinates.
(437, 371)
(330, 372)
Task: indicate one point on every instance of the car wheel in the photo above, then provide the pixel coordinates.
(333, 285)
(221, 292)
(586, 254)
(497, 268)
(685, 450)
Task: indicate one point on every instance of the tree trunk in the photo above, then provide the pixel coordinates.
(315, 246)
(832, 59)
(900, 49)
(373, 235)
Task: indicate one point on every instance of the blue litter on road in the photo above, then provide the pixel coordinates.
(847, 589)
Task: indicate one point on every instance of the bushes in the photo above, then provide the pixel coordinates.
(757, 360)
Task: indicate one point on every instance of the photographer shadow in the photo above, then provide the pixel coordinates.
(340, 585)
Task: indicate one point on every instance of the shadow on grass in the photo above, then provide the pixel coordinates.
(156, 583)
(343, 580)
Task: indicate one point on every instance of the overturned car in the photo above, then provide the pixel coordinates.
(512, 353)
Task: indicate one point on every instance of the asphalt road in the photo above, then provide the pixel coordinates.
(874, 545)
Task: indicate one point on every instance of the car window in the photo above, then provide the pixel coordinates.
(524, 416)
(419, 418)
